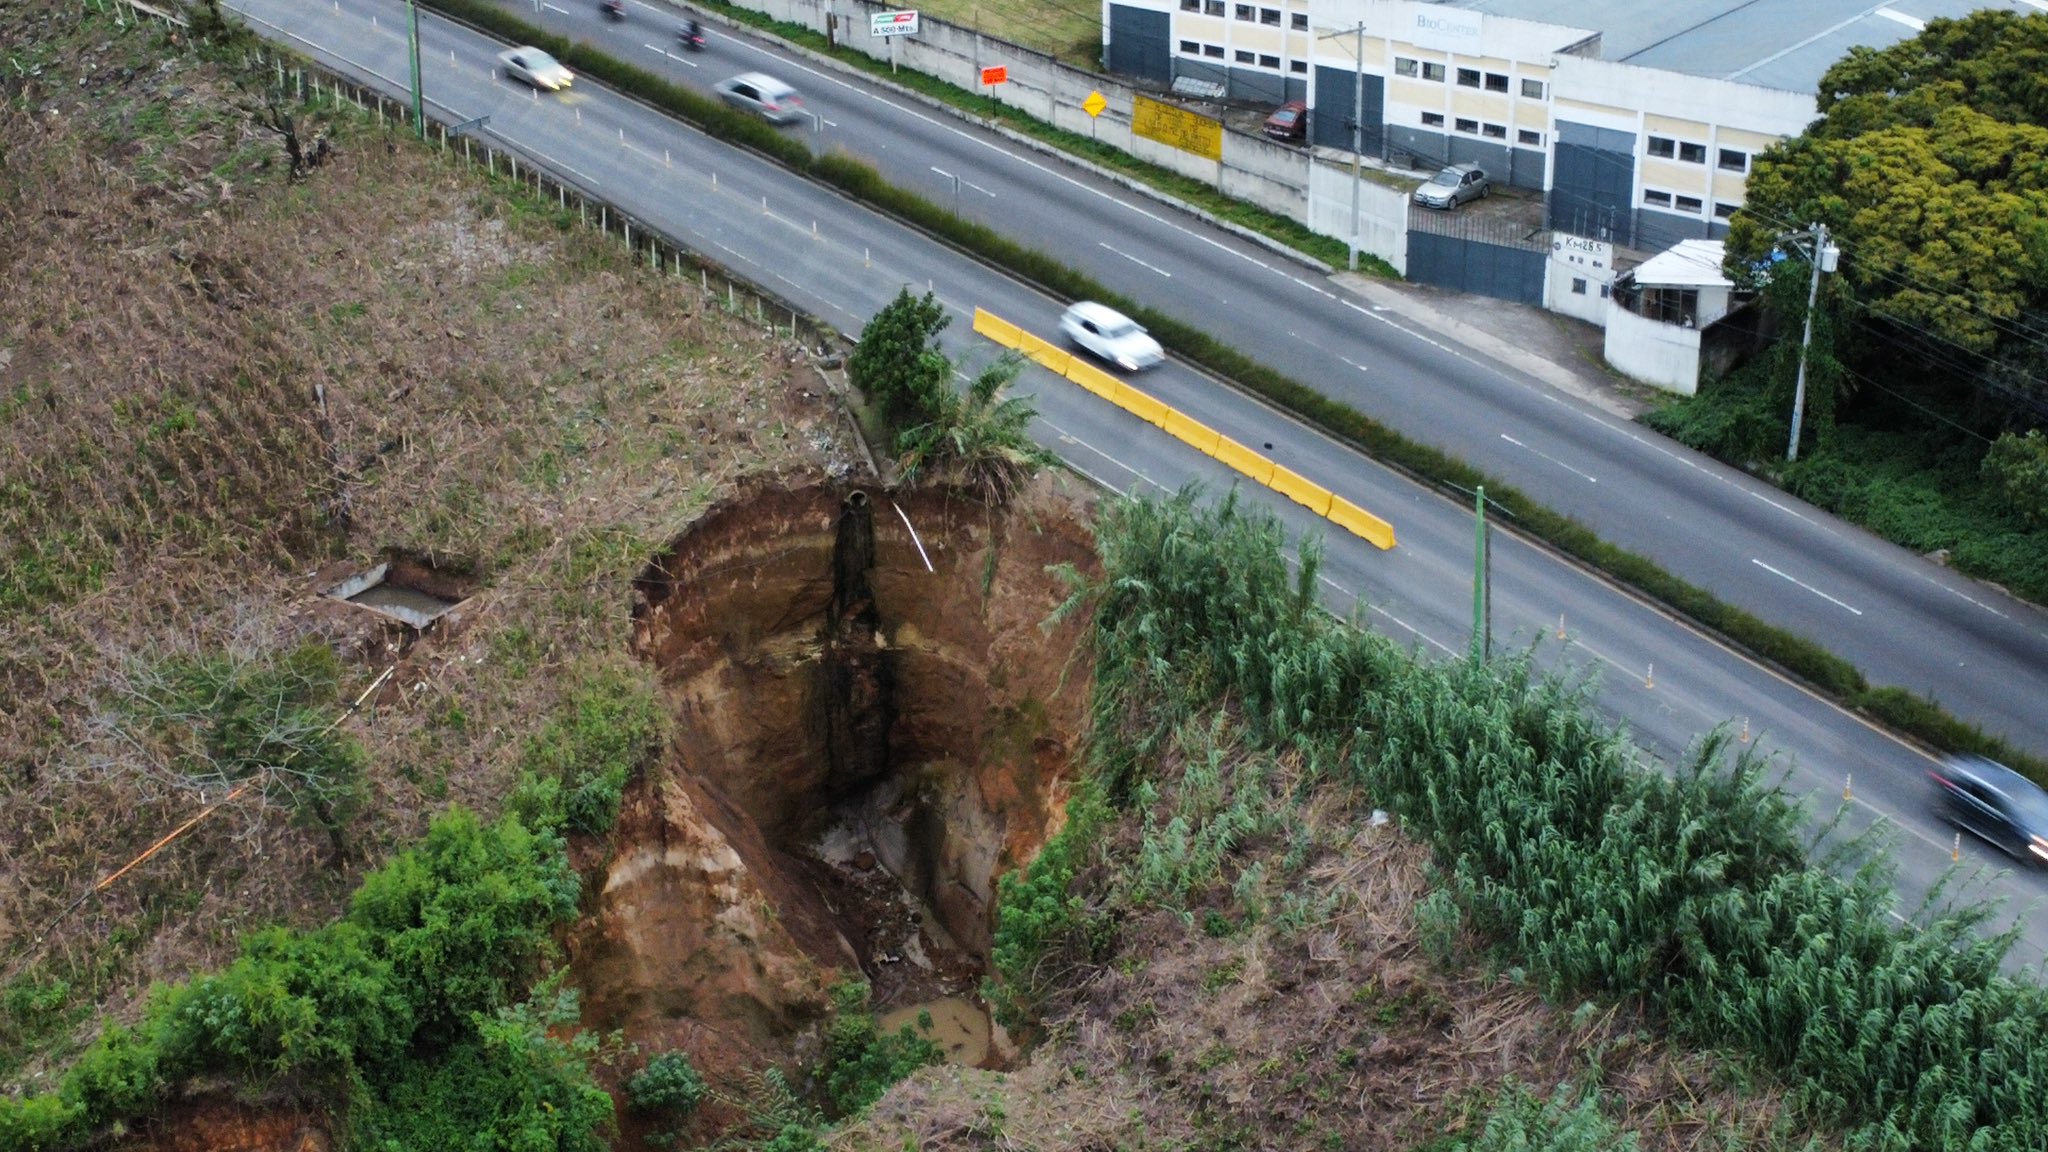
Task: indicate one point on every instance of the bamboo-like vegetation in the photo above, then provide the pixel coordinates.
(1584, 868)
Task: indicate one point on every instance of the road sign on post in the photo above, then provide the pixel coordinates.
(996, 75)
(893, 23)
(1094, 104)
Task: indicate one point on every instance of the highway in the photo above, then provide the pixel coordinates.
(1663, 678)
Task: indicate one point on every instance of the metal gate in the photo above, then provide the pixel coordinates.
(1140, 43)
(1500, 258)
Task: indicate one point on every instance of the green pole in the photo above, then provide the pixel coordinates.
(1482, 643)
(419, 118)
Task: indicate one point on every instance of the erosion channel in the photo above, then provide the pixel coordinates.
(871, 727)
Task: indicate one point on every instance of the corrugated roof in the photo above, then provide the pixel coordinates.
(1784, 44)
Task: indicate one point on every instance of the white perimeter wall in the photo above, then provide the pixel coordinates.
(1661, 354)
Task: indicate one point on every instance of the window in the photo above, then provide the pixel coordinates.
(1247, 12)
(1690, 204)
(1578, 286)
(1533, 139)
(1724, 211)
(1297, 65)
(1272, 62)
(1693, 153)
(1464, 125)
(1191, 48)
(1244, 57)
(1603, 291)
(1533, 89)
(1433, 72)
(1663, 146)
(1433, 119)
(1215, 50)
(1495, 82)
(1269, 16)
(1299, 22)
(1657, 199)
(1496, 131)
(1212, 7)
(1403, 66)
(1733, 161)
(1468, 77)
(1191, 5)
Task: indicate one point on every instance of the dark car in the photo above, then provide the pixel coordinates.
(1288, 122)
(1995, 803)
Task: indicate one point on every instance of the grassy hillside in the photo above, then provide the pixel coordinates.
(222, 387)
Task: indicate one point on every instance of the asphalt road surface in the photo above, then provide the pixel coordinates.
(1664, 679)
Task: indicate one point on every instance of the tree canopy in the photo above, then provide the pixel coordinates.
(1930, 162)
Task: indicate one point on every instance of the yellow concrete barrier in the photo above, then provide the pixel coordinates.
(1045, 352)
(1140, 405)
(1194, 433)
(1301, 490)
(1092, 378)
(1350, 517)
(997, 329)
(1244, 459)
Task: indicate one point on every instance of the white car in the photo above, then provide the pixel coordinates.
(535, 67)
(1109, 334)
(763, 95)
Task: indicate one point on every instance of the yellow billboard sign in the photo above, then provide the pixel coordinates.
(1185, 130)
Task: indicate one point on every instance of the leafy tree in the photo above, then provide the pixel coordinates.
(1930, 163)
(669, 1084)
(979, 439)
(898, 363)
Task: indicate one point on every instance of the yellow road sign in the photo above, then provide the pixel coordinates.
(1094, 104)
(1179, 127)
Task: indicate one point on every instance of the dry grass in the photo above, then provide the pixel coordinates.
(1068, 29)
(506, 396)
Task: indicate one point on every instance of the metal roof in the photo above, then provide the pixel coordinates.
(1691, 264)
(1784, 44)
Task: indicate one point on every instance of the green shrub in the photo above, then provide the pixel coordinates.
(860, 1062)
(668, 1084)
(1521, 1121)
(575, 769)
(2017, 467)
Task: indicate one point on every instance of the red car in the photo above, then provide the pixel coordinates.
(1289, 122)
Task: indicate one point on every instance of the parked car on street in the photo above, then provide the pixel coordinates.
(1110, 335)
(1289, 122)
(1996, 804)
(1453, 186)
(763, 95)
(535, 67)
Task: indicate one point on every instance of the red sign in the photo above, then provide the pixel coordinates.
(995, 75)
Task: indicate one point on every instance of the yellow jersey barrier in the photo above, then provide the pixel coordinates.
(1204, 439)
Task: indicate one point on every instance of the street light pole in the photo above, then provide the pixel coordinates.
(1824, 257)
(1482, 596)
(419, 119)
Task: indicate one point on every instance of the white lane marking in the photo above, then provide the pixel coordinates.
(1803, 584)
(672, 57)
(1892, 14)
(1554, 460)
(1353, 363)
(957, 181)
(1957, 593)
(1135, 260)
(556, 8)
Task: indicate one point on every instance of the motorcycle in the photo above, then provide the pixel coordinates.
(615, 9)
(691, 37)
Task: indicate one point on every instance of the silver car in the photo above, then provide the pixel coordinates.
(534, 67)
(763, 95)
(1109, 334)
(1453, 186)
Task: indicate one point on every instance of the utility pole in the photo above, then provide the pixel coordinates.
(1357, 131)
(1824, 259)
(419, 118)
